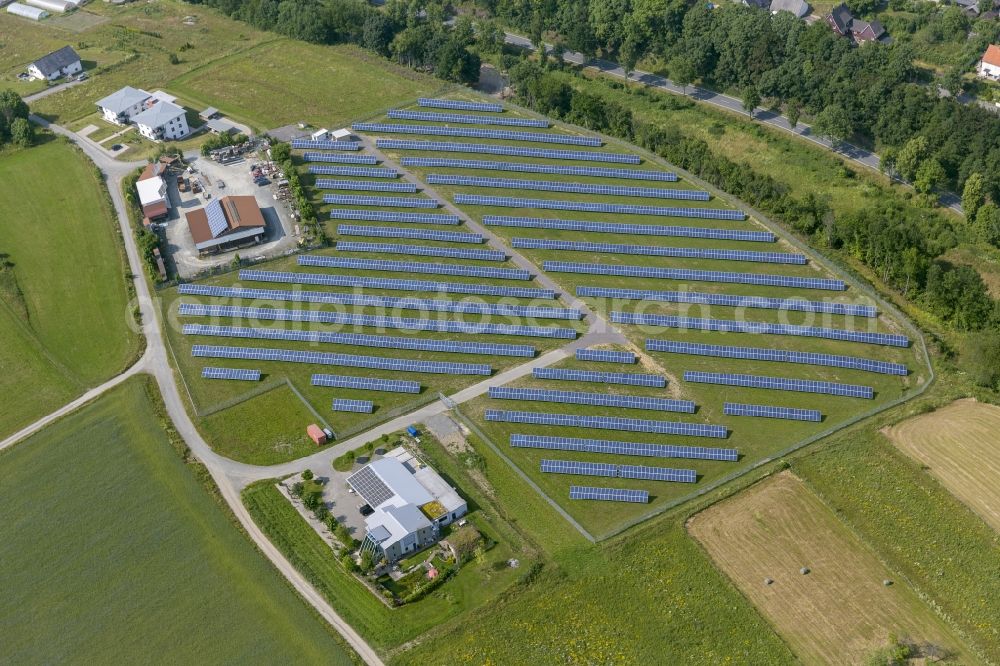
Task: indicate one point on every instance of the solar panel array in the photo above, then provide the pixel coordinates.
(366, 383)
(576, 188)
(521, 167)
(430, 116)
(736, 326)
(343, 159)
(581, 468)
(618, 209)
(347, 360)
(608, 494)
(656, 251)
(630, 229)
(733, 301)
(366, 200)
(415, 267)
(216, 218)
(307, 144)
(231, 373)
(695, 275)
(592, 399)
(365, 172)
(477, 133)
(772, 412)
(347, 405)
(513, 151)
(422, 250)
(622, 448)
(459, 105)
(394, 284)
(608, 423)
(368, 300)
(413, 234)
(780, 355)
(364, 186)
(360, 340)
(605, 356)
(626, 378)
(389, 216)
(780, 384)
(657, 473)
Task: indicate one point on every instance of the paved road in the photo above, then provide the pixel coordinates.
(858, 155)
(51, 90)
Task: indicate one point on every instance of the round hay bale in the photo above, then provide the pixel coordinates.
(887, 582)
(768, 581)
(804, 571)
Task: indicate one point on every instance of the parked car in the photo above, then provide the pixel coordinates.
(262, 181)
(83, 76)
(116, 146)
(365, 510)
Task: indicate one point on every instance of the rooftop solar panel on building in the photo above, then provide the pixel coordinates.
(477, 133)
(413, 234)
(694, 275)
(430, 116)
(629, 229)
(346, 405)
(365, 383)
(609, 423)
(618, 209)
(370, 486)
(231, 373)
(608, 494)
(605, 356)
(612, 447)
(339, 157)
(780, 384)
(625, 378)
(513, 151)
(593, 399)
(216, 218)
(579, 468)
(576, 188)
(459, 105)
(388, 202)
(309, 144)
(390, 216)
(363, 172)
(793, 304)
(521, 167)
(658, 251)
(464, 270)
(772, 412)
(422, 251)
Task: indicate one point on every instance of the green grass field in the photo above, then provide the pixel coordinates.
(114, 553)
(67, 318)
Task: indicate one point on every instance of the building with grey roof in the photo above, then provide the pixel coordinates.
(798, 7)
(122, 106)
(162, 120)
(64, 62)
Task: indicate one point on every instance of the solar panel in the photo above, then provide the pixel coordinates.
(780, 355)
(413, 234)
(577, 188)
(348, 360)
(657, 473)
(626, 378)
(415, 267)
(521, 167)
(736, 326)
(477, 133)
(772, 412)
(612, 447)
(370, 486)
(579, 468)
(364, 185)
(694, 275)
(394, 284)
(513, 151)
(780, 384)
(422, 250)
(366, 200)
(231, 373)
(608, 494)
(618, 209)
(390, 216)
(346, 405)
(605, 356)
(430, 116)
(336, 157)
(657, 251)
(593, 399)
(631, 229)
(732, 301)
(364, 172)
(309, 144)
(609, 423)
(216, 218)
(459, 105)
(366, 383)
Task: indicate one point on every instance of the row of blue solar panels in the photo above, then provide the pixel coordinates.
(580, 468)
(772, 412)
(766, 279)
(737, 326)
(390, 216)
(390, 202)
(780, 384)
(339, 157)
(576, 188)
(657, 251)
(398, 302)
(622, 448)
(347, 360)
(609, 423)
(477, 133)
(605, 356)
(415, 267)
(463, 119)
(626, 378)
(347, 405)
(309, 144)
(630, 229)
(328, 280)
(422, 251)
(778, 355)
(618, 471)
(364, 185)
(617, 209)
(459, 105)
(608, 494)
(521, 167)
(231, 373)
(360, 340)
(793, 304)
(413, 234)
(377, 321)
(593, 399)
(366, 383)
(364, 172)
(512, 151)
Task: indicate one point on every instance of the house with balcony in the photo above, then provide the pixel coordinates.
(163, 121)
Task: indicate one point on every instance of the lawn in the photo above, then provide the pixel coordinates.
(114, 553)
(65, 297)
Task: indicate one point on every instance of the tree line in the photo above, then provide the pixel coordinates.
(15, 128)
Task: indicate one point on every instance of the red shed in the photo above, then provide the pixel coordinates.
(316, 434)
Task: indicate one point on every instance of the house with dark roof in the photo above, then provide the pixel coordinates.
(843, 22)
(226, 223)
(64, 62)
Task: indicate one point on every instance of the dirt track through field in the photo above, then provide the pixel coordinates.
(960, 444)
(839, 612)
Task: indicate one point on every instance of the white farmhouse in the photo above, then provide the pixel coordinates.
(122, 106)
(989, 66)
(64, 62)
(162, 121)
